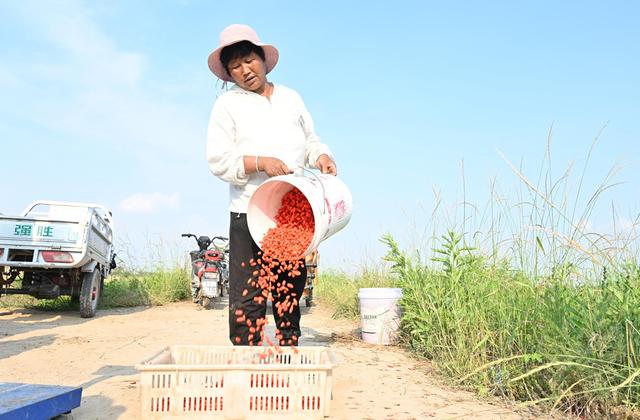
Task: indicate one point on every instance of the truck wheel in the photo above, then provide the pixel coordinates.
(90, 293)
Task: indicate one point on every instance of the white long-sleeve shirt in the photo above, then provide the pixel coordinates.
(244, 123)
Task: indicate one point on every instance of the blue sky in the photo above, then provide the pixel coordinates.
(108, 101)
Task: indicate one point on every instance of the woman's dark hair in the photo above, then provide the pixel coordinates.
(239, 50)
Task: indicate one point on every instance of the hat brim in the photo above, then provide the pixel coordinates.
(215, 65)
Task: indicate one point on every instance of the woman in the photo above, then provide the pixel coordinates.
(256, 130)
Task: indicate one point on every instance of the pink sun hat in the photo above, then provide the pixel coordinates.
(236, 33)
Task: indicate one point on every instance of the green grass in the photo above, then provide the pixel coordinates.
(518, 298)
(16, 301)
(340, 291)
(123, 288)
(159, 287)
(549, 340)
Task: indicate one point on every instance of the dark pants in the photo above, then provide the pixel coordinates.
(241, 250)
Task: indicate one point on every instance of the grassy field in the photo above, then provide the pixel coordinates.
(340, 291)
(128, 288)
(519, 298)
(122, 289)
(548, 340)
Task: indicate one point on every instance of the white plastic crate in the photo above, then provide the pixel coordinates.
(239, 382)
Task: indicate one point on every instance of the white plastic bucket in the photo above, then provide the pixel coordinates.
(380, 314)
(329, 197)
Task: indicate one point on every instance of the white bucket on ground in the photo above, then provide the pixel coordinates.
(329, 197)
(380, 314)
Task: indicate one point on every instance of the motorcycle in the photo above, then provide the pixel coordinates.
(209, 269)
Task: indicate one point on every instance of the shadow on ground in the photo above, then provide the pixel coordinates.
(19, 321)
(94, 407)
(10, 348)
(108, 372)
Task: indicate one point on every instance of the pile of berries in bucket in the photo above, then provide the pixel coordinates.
(282, 247)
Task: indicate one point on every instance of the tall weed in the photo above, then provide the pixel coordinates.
(573, 345)
(523, 300)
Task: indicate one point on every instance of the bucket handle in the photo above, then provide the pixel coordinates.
(324, 194)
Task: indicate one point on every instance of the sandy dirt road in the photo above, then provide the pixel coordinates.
(100, 354)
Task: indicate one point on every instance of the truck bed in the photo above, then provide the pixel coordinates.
(24, 239)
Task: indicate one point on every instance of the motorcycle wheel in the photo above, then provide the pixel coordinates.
(195, 290)
(206, 302)
(221, 285)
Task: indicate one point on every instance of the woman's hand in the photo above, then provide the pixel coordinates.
(273, 166)
(326, 165)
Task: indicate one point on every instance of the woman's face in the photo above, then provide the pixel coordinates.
(250, 73)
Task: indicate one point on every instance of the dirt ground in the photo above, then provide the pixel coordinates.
(100, 354)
